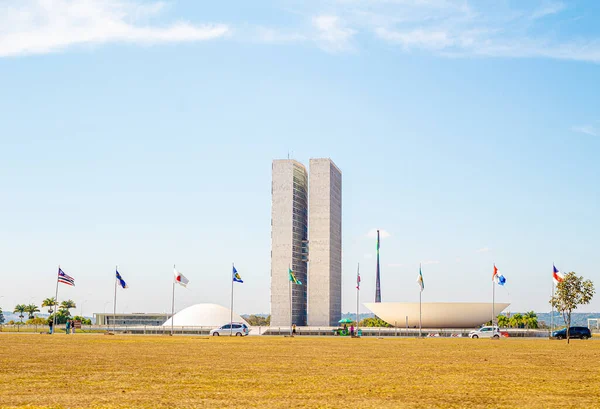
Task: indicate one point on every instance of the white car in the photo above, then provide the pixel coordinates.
(485, 332)
(235, 328)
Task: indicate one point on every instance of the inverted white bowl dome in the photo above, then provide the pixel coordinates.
(436, 314)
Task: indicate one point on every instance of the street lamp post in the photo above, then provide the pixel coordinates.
(81, 308)
(104, 312)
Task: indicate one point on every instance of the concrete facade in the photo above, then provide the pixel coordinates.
(325, 243)
(289, 229)
(136, 318)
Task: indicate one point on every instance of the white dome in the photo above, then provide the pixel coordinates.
(203, 315)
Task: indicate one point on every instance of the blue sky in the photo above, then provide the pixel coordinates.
(142, 133)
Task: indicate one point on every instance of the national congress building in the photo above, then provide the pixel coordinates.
(306, 236)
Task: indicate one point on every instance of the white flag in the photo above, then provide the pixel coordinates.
(180, 278)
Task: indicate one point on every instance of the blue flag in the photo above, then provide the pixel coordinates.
(121, 281)
(236, 276)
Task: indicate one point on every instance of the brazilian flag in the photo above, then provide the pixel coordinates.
(293, 278)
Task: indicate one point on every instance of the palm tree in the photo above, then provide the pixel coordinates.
(516, 320)
(20, 308)
(49, 302)
(530, 319)
(503, 321)
(31, 309)
(67, 305)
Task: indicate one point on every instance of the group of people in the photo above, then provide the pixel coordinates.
(69, 327)
(351, 333)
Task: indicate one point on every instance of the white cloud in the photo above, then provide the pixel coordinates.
(586, 129)
(429, 262)
(483, 250)
(43, 26)
(382, 233)
(368, 255)
(457, 28)
(332, 33)
(458, 259)
(548, 9)
(274, 36)
(435, 40)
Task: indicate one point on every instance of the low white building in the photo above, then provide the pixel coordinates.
(131, 319)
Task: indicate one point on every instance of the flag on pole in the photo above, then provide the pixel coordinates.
(557, 276)
(65, 278)
(180, 278)
(122, 282)
(358, 280)
(420, 280)
(497, 277)
(236, 276)
(293, 278)
(500, 280)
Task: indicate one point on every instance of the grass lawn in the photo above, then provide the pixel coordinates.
(92, 370)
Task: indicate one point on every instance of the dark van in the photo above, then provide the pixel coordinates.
(574, 332)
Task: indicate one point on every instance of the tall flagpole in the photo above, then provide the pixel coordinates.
(493, 300)
(420, 296)
(378, 275)
(55, 303)
(552, 316)
(173, 303)
(357, 296)
(291, 305)
(231, 311)
(115, 303)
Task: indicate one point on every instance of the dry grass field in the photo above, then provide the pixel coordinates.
(84, 371)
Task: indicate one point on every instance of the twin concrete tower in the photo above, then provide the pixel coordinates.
(306, 236)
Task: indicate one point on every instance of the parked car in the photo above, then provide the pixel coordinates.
(235, 328)
(574, 332)
(485, 332)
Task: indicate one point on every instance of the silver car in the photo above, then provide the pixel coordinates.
(485, 332)
(238, 329)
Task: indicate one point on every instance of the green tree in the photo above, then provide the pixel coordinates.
(570, 293)
(257, 320)
(31, 309)
(20, 308)
(374, 322)
(37, 321)
(516, 321)
(503, 321)
(65, 306)
(530, 319)
(49, 302)
(84, 321)
(61, 317)
(1, 316)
